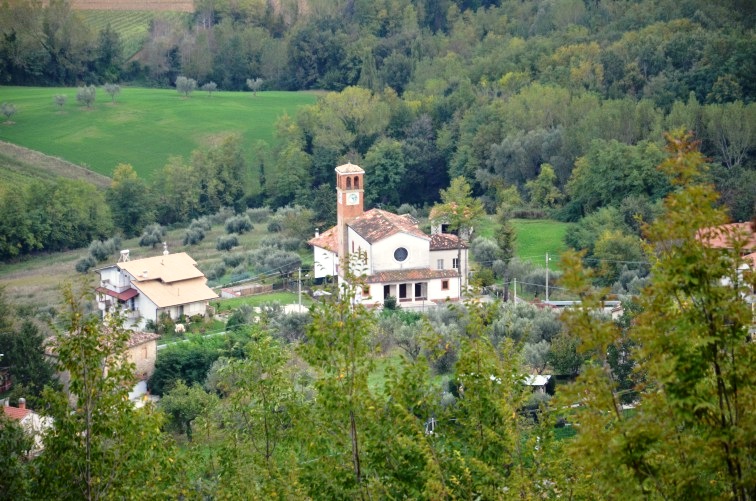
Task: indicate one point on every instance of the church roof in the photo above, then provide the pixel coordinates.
(327, 240)
(410, 275)
(445, 241)
(377, 224)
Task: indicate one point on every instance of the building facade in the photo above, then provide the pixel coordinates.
(396, 258)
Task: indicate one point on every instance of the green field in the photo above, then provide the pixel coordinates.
(536, 237)
(144, 127)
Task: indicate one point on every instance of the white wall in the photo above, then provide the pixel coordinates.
(325, 262)
(436, 293)
(382, 253)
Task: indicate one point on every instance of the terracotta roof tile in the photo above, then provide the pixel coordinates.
(445, 241)
(138, 337)
(721, 237)
(377, 224)
(327, 240)
(15, 412)
(121, 296)
(410, 275)
(172, 294)
(170, 268)
(349, 168)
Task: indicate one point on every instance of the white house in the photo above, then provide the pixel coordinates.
(400, 260)
(146, 288)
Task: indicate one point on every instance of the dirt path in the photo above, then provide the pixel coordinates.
(53, 165)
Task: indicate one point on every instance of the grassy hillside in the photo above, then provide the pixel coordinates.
(144, 127)
(536, 237)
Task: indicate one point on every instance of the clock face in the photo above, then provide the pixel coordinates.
(353, 199)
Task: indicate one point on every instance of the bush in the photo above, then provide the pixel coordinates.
(284, 243)
(221, 216)
(258, 214)
(215, 272)
(485, 251)
(152, 235)
(226, 242)
(233, 260)
(193, 236)
(189, 361)
(275, 226)
(407, 209)
(204, 223)
(84, 264)
(390, 303)
(238, 224)
(101, 251)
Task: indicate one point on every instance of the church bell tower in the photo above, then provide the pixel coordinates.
(349, 201)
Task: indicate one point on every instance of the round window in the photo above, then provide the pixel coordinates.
(400, 254)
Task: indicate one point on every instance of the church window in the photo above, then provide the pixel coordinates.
(401, 254)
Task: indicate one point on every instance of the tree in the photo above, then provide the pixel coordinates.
(8, 109)
(337, 345)
(688, 435)
(543, 190)
(130, 201)
(101, 446)
(385, 162)
(152, 235)
(185, 85)
(60, 100)
(184, 404)
(461, 212)
(86, 95)
(254, 84)
(23, 352)
(210, 87)
(15, 444)
(113, 90)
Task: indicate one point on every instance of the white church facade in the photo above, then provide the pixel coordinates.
(397, 258)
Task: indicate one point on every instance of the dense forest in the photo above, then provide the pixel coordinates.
(553, 108)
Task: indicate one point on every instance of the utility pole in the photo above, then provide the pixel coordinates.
(547, 277)
(515, 290)
(300, 290)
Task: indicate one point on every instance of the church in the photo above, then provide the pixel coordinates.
(397, 258)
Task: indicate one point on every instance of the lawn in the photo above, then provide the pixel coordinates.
(144, 127)
(536, 237)
(225, 305)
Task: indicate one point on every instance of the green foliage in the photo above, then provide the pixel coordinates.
(185, 85)
(24, 353)
(8, 110)
(226, 243)
(152, 235)
(686, 436)
(239, 224)
(15, 444)
(86, 95)
(101, 446)
(183, 404)
(187, 361)
(543, 190)
(130, 201)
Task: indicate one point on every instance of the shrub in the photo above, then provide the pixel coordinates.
(152, 235)
(407, 209)
(193, 236)
(227, 242)
(215, 272)
(101, 251)
(238, 224)
(485, 251)
(221, 216)
(189, 361)
(279, 242)
(233, 260)
(390, 303)
(258, 214)
(204, 223)
(84, 264)
(275, 226)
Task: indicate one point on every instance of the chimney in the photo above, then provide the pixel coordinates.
(317, 232)
(22, 403)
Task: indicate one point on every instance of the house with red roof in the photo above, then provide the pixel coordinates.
(32, 423)
(396, 257)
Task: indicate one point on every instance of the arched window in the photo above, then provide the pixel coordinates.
(356, 182)
(349, 182)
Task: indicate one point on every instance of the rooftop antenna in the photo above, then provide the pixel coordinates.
(165, 248)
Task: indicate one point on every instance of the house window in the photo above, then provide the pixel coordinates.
(440, 264)
(455, 263)
(401, 254)
(402, 291)
(366, 291)
(444, 285)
